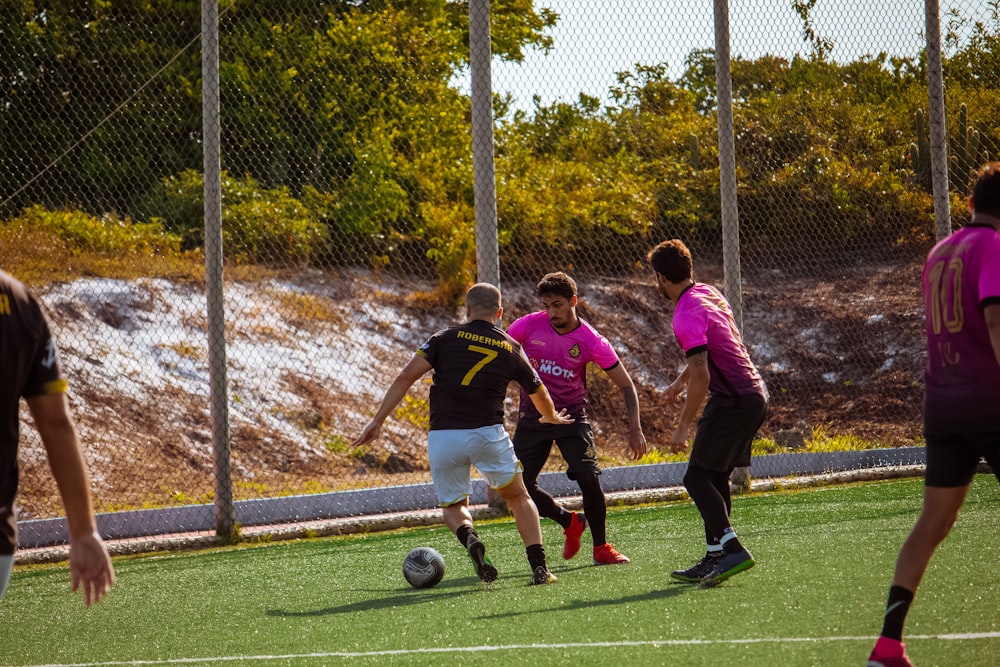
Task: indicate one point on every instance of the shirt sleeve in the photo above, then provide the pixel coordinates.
(603, 354)
(691, 330)
(516, 329)
(44, 376)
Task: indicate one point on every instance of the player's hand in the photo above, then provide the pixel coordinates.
(370, 433)
(675, 392)
(90, 565)
(637, 444)
(561, 417)
(678, 442)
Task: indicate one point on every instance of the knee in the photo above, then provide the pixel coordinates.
(514, 494)
(588, 481)
(696, 477)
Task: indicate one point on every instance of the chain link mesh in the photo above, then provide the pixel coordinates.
(349, 215)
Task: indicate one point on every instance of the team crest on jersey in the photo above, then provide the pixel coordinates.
(575, 350)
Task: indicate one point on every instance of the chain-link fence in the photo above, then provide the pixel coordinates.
(351, 196)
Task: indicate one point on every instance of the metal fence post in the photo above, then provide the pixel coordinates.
(727, 164)
(936, 114)
(225, 517)
(483, 167)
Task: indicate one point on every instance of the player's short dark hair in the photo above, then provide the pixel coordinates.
(557, 283)
(483, 298)
(986, 191)
(672, 260)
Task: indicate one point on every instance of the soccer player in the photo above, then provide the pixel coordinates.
(961, 284)
(560, 345)
(719, 368)
(472, 364)
(29, 368)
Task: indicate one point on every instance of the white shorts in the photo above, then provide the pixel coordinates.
(453, 451)
(6, 565)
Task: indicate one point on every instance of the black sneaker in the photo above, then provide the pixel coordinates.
(699, 570)
(542, 576)
(727, 566)
(484, 566)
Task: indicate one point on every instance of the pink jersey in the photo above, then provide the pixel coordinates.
(561, 361)
(962, 378)
(702, 321)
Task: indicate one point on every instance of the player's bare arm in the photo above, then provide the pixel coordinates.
(697, 390)
(636, 440)
(677, 387)
(393, 395)
(992, 316)
(89, 562)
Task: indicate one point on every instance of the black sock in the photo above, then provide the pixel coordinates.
(463, 533)
(730, 543)
(733, 546)
(895, 612)
(536, 556)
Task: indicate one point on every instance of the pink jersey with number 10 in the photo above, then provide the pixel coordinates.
(962, 380)
(561, 361)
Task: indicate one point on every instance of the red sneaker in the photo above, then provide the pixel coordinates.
(577, 524)
(607, 555)
(888, 653)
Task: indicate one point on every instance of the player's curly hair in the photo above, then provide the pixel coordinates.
(557, 283)
(986, 192)
(672, 260)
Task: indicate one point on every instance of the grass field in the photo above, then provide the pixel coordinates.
(816, 597)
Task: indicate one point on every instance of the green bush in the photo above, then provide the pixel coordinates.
(105, 234)
(265, 225)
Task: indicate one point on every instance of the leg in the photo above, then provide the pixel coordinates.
(951, 465)
(725, 554)
(459, 520)
(530, 528)
(502, 471)
(451, 475)
(938, 515)
(700, 484)
(524, 511)
(532, 447)
(457, 515)
(595, 506)
(940, 510)
(576, 443)
(704, 485)
(721, 483)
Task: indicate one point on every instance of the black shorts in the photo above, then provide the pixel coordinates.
(952, 460)
(533, 443)
(726, 430)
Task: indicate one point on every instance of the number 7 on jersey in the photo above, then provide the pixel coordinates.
(488, 356)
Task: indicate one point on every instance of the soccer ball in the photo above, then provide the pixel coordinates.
(423, 567)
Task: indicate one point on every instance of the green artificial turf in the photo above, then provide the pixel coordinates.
(825, 559)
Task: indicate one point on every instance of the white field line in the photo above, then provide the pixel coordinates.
(514, 647)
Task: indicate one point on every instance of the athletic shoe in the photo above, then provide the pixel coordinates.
(577, 524)
(888, 653)
(542, 576)
(607, 555)
(699, 570)
(727, 566)
(484, 566)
